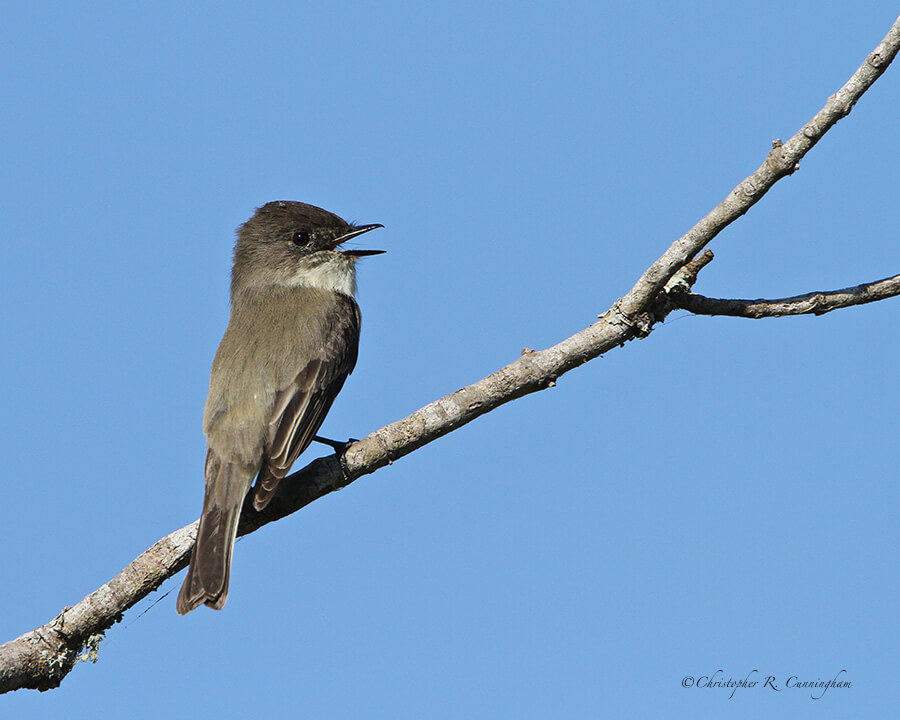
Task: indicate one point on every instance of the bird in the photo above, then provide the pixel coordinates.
(292, 339)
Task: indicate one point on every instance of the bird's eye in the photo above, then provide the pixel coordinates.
(301, 238)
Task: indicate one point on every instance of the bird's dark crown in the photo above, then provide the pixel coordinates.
(306, 226)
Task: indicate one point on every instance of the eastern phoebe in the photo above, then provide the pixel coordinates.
(290, 343)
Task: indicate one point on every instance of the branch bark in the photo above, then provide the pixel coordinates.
(41, 658)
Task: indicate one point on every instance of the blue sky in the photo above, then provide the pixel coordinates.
(721, 495)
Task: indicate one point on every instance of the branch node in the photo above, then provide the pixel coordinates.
(876, 59)
(819, 304)
(640, 326)
(748, 188)
(777, 160)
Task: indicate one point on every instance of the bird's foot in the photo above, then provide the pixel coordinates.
(339, 446)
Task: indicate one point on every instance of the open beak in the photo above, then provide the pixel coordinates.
(354, 233)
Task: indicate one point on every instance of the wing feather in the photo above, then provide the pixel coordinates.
(301, 406)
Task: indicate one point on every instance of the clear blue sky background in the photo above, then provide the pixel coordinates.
(722, 495)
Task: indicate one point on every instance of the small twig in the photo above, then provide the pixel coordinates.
(684, 279)
(814, 303)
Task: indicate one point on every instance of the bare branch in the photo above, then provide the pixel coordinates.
(43, 657)
(783, 160)
(814, 303)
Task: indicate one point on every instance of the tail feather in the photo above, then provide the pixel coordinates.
(207, 577)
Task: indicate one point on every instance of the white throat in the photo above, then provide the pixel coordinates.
(336, 275)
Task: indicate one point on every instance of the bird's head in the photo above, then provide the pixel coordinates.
(292, 243)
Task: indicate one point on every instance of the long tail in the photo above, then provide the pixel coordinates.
(207, 577)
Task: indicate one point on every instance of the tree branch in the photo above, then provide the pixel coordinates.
(783, 160)
(43, 657)
(814, 303)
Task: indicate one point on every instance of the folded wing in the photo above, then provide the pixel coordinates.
(301, 406)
